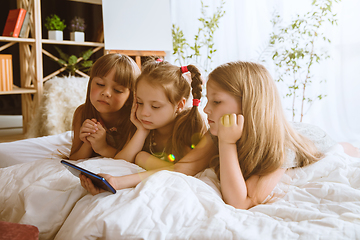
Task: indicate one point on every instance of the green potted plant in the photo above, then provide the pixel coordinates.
(75, 64)
(55, 27)
(77, 29)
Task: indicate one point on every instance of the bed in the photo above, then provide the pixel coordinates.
(320, 201)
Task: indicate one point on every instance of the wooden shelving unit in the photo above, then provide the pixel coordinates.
(31, 65)
(68, 42)
(18, 90)
(97, 46)
(13, 40)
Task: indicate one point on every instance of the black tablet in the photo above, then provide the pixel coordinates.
(96, 179)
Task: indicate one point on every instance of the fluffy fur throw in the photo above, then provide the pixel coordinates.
(62, 95)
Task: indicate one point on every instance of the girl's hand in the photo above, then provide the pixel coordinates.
(230, 128)
(134, 119)
(90, 187)
(98, 139)
(87, 128)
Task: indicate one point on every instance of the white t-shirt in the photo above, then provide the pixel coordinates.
(319, 137)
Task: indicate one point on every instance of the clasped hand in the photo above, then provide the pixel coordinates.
(230, 128)
(93, 133)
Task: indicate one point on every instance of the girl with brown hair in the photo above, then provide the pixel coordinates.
(102, 124)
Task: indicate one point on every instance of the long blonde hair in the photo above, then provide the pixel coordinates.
(189, 125)
(126, 73)
(266, 133)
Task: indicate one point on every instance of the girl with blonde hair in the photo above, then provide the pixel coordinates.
(166, 129)
(102, 124)
(256, 143)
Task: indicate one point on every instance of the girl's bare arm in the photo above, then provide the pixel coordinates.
(133, 147)
(150, 162)
(195, 161)
(235, 190)
(136, 143)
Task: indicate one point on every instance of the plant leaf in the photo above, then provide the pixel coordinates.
(72, 60)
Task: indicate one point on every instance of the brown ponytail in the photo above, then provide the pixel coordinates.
(190, 126)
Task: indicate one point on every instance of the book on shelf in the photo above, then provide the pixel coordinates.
(25, 26)
(100, 33)
(6, 72)
(14, 22)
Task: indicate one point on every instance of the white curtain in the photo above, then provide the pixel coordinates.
(244, 32)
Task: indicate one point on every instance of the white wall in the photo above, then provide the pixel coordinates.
(244, 32)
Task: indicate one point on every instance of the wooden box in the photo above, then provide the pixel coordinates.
(6, 72)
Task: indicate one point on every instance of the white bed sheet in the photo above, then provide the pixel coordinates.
(320, 201)
(32, 149)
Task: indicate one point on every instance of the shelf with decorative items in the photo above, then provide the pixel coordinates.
(31, 51)
(77, 28)
(30, 62)
(95, 47)
(10, 42)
